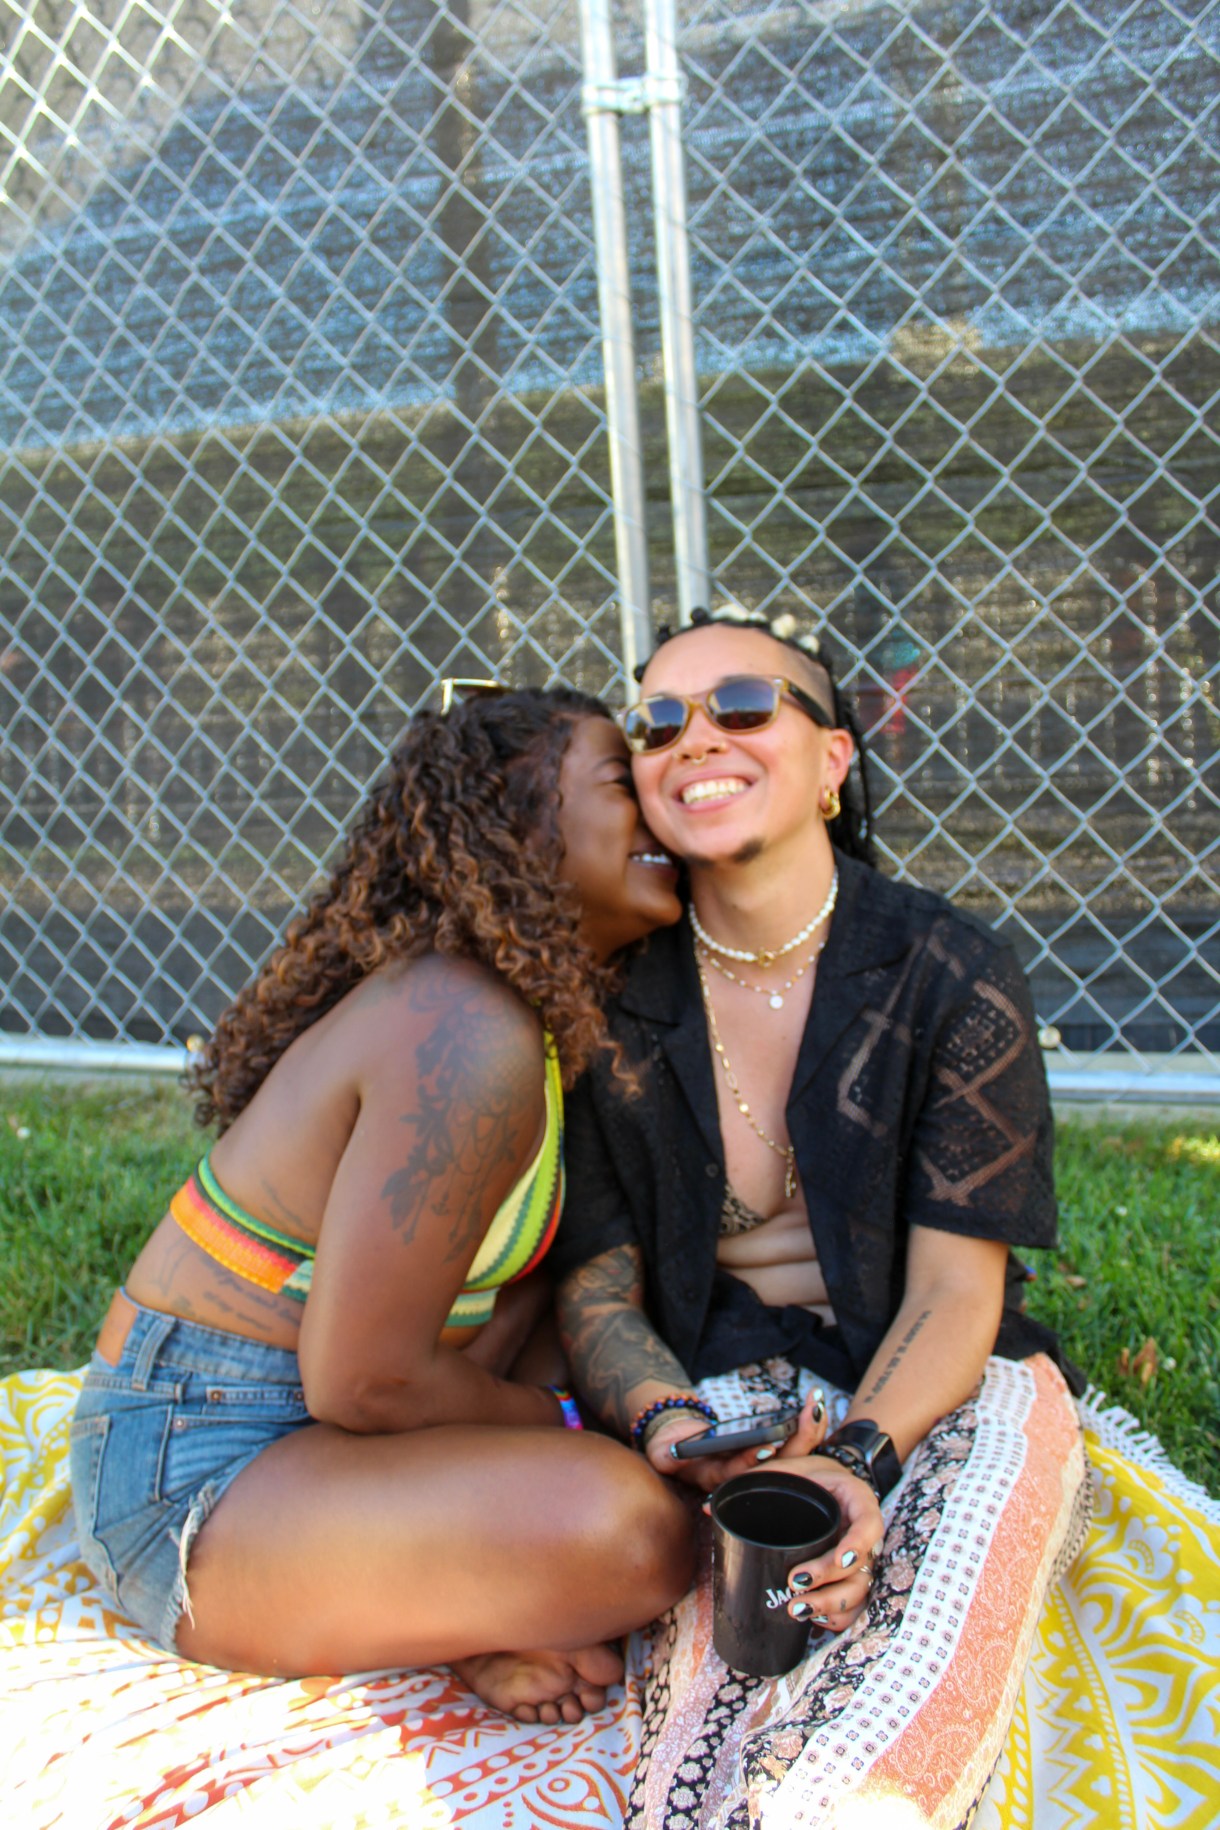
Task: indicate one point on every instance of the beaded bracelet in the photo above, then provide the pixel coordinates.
(676, 1403)
(567, 1404)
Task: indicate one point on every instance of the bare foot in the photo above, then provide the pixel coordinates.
(543, 1686)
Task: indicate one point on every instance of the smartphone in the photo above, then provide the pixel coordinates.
(733, 1433)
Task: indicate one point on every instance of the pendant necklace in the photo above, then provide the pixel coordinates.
(773, 994)
(787, 1152)
(767, 956)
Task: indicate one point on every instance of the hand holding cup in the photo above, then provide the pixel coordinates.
(764, 1522)
(832, 1589)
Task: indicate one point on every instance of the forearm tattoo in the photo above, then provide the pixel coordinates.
(459, 1140)
(891, 1366)
(611, 1345)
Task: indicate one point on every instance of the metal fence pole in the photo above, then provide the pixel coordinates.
(603, 102)
(677, 328)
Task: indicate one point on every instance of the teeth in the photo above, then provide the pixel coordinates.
(712, 790)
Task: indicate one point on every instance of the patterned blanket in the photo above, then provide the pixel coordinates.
(1117, 1722)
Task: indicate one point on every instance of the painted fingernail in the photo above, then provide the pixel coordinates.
(818, 1412)
(801, 1579)
(847, 1559)
(801, 1610)
(819, 1620)
(767, 1453)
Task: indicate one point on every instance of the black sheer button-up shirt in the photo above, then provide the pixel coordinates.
(919, 1099)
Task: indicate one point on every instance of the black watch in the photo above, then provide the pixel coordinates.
(872, 1448)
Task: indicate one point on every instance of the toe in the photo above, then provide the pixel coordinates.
(598, 1665)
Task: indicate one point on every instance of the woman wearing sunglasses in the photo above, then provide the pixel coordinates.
(844, 1131)
(312, 1438)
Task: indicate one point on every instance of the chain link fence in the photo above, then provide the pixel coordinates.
(300, 402)
(956, 271)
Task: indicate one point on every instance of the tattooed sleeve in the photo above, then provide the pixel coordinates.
(611, 1345)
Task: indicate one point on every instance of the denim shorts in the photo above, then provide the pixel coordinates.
(156, 1439)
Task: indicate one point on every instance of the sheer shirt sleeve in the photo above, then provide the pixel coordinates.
(980, 1160)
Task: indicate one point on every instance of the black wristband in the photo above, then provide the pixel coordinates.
(865, 1442)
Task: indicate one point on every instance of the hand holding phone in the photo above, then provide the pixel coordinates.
(734, 1433)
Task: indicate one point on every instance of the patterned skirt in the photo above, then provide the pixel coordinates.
(900, 1720)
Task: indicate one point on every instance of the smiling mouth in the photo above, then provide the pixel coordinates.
(719, 788)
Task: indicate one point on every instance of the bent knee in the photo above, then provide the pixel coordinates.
(642, 1526)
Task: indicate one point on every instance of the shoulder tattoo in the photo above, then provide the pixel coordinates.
(473, 1109)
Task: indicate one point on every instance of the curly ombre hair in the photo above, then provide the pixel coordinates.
(456, 851)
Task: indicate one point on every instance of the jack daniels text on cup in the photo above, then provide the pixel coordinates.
(778, 1598)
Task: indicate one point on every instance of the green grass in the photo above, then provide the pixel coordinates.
(1139, 1260)
(78, 1196)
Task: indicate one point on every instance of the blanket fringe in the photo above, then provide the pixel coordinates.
(1117, 1429)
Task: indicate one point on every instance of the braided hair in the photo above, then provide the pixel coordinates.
(852, 829)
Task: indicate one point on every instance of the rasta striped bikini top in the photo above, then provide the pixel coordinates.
(517, 1239)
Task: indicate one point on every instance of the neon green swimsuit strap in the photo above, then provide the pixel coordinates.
(524, 1226)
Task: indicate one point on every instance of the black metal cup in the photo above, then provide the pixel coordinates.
(762, 1523)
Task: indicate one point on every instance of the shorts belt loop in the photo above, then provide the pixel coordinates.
(160, 1329)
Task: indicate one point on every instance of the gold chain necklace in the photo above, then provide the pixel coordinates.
(773, 994)
(788, 1152)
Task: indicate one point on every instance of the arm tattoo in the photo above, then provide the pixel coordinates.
(891, 1365)
(611, 1345)
(460, 1140)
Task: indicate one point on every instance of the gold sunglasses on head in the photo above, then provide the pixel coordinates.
(456, 691)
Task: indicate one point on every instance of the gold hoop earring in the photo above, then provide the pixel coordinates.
(830, 804)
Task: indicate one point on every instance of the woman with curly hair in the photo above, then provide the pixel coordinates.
(303, 1444)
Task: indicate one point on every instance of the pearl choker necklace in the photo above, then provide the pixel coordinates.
(767, 956)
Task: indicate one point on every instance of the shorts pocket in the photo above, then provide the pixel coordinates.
(201, 1446)
(87, 1438)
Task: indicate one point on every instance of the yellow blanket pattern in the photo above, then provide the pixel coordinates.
(1117, 1724)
